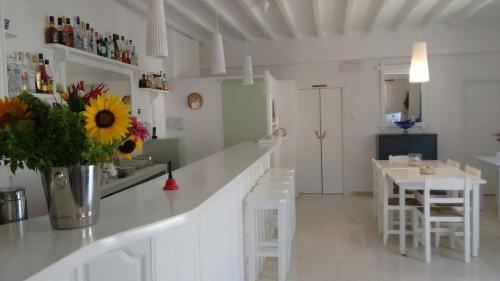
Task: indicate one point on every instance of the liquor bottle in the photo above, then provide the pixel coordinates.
(104, 46)
(153, 135)
(68, 34)
(40, 75)
(60, 31)
(123, 49)
(116, 42)
(134, 59)
(49, 79)
(93, 42)
(31, 66)
(111, 46)
(10, 75)
(17, 73)
(86, 39)
(24, 71)
(51, 32)
(98, 44)
(77, 30)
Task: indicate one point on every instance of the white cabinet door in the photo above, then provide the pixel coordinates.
(310, 152)
(131, 263)
(331, 144)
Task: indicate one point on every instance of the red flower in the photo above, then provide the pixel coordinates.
(138, 129)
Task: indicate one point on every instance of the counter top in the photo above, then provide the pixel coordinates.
(492, 160)
(139, 176)
(32, 246)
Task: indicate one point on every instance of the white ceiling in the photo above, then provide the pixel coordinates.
(296, 18)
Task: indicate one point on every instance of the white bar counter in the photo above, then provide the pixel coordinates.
(146, 233)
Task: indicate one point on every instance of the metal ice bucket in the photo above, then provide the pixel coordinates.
(73, 195)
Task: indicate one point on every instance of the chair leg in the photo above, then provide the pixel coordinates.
(467, 239)
(427, 239)
(415, 229)
(453, 237)
(437, 234)
(385, 228)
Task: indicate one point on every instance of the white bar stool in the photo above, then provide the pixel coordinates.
(256, 202)
(290, 181)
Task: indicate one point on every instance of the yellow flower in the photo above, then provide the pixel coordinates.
(11, 111)
(129, 146)
(106, 119)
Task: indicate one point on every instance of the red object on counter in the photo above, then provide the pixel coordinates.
(170, 183)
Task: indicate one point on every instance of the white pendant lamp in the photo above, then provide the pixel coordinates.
(419, 68)
(156, 43)
(218, 59)
(247, 63)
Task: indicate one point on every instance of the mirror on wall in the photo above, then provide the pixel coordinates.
(403, 100)
(117, 83)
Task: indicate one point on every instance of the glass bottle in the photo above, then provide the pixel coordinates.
(60, 31)
(68, 34)
(87, 38)
(124, 50)
(143, 82)
(97, 44)
(111, 46)
(92, 41)
(24, 71)
(10, 75)
(40, 75)
(77, 30)
(17, 74)
(116, 42)
(31, 66)
(49, 79)
(51, 31)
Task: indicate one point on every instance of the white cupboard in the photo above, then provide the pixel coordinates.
(321, 141)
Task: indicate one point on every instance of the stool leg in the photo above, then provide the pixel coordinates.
(282, 241)
(251, 243)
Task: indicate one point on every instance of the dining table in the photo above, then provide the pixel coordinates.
(410, 178)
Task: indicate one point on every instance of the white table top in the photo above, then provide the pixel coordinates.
(28, 247)
(386, 164)
(492, 160)
(413, 176)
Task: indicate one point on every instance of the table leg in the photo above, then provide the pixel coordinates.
(402, 221)
(475, 220)
(481, 192)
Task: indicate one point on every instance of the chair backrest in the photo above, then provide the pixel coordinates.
(447, 184)
(473, 171)
(453, 163)
(398, 158)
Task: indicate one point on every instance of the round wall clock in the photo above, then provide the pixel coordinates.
(195, 101)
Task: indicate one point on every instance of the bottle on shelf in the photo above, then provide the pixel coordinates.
(111, 46)
(153, 134)
(123, 50)
(78, 34)
(10, 75)
(24, 71)
(143, 82)
(69, 40)
(145, 123)
(41, 85)
(31, 66)
(60, 31)
(86, 39)
(134, 60)
(93, 39)
(98, 44)
(49, 79)
(51, 32)
(116, 42)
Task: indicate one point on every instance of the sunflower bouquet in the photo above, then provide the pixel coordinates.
(86, 128)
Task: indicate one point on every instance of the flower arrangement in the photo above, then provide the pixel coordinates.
(85, 129)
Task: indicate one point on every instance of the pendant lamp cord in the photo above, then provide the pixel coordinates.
(246, 29)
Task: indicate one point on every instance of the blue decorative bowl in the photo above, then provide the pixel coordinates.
(405, 125)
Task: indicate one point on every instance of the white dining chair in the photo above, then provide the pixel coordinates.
(430, 213)
(398, 158)
(390, 207)
(374, 189)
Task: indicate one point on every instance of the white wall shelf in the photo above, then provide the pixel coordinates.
(154, 91)
(9, 34)
(65, 53)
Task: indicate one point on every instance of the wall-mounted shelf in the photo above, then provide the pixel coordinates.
(65, 53)
(155, 91)
(9, 34)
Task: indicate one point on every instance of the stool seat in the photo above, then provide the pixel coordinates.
(262, 198)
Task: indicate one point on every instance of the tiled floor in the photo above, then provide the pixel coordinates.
(336, 239)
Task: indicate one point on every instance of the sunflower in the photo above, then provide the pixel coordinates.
(129, 146)
(11, 111)
(106, 119)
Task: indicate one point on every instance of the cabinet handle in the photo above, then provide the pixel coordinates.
(317, 135)
(324, 135)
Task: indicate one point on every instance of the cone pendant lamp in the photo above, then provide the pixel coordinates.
(247, 63)
(218, 59)
(419, 68)
(156, 43)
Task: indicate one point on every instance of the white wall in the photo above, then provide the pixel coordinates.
(456, 55)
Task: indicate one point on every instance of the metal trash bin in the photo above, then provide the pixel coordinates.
(13, 205)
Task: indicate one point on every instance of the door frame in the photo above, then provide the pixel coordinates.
(343, 130)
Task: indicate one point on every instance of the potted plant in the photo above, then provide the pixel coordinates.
(68, 142)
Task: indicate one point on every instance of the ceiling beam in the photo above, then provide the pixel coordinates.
(317, 17)
(469, 10)
(257, 17)
(347, 17)
(434, 12)
(373, 14)
(230, 20)
(287, 15)
(403, 13)
(141, 8)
